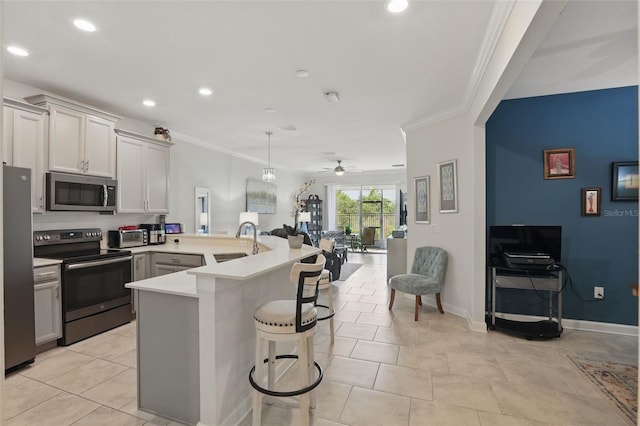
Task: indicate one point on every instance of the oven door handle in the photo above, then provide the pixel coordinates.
(105, 195)
(82, 265)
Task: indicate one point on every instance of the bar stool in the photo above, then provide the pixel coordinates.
(288, 321)
(327, 247)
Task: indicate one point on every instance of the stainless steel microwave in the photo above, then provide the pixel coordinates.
(68, 192)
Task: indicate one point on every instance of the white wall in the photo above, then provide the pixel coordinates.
(226, 177)
(463, 234)
(451, 231)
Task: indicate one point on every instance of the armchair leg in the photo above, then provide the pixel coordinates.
(420, 300)
(439, 303)
(393, 296)
(417, 307)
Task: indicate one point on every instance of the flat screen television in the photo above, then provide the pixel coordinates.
(534, 239)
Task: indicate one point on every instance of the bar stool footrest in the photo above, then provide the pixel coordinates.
(332, 312)
(281, 394)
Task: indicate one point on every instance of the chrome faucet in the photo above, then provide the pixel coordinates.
(255, 235)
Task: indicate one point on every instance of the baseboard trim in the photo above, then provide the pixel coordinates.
(581, 325)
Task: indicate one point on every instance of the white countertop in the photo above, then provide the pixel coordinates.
(274, 252)
(178, 283)
(38, 262)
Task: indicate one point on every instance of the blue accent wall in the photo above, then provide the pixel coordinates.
(602, 126)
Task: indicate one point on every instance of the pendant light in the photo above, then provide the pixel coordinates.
(268, 173)
(339, 170)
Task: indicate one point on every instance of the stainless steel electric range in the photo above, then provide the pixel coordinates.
(94, 298)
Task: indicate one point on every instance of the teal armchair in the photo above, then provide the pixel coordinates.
(426, 277)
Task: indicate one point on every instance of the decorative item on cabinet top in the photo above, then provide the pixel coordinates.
(130, 134)
(162, 133)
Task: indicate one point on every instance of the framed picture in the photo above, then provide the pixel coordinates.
(422, 199)
(447, 176)
(261, 197)
(591, 201)
(559, 163)
(624, 182)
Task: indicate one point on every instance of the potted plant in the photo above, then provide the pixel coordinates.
(347, 229)
(294, 237)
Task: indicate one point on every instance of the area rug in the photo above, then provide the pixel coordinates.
(348, 269)
(618, 381)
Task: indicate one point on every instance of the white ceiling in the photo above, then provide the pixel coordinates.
(389, 70)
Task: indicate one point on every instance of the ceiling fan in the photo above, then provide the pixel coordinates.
(339, 170)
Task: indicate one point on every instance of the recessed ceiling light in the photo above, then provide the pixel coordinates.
(397, 6)
(302, 73)
(84, 25)
(148, 103)
(205, 91)
(18, 51)
(269, 109)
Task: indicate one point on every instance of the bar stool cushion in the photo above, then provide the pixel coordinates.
(279, 316)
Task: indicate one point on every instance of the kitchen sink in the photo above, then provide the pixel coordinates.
(223, 257)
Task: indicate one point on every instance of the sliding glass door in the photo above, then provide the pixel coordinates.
(359, 207)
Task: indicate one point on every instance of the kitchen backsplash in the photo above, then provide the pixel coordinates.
(65, 220)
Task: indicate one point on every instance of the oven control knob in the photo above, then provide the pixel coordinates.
(46, 237)
(38, 237)
(90, 234)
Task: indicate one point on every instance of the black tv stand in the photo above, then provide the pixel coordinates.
(547, 281)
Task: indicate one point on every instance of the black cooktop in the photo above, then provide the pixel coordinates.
(85, 255)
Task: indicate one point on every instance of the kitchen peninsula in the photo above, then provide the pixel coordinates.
(196, 337)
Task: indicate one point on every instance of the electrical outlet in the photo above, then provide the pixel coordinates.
(598, 292)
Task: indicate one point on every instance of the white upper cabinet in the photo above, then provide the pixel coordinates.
(24, 135)
(143, 173)
(81, 138)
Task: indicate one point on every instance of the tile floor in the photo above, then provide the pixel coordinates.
(383, 369)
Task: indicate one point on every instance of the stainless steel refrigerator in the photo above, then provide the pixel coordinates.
(19, 320)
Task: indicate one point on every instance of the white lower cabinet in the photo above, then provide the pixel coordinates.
(140, 267)
(168, 263)
(47, 303)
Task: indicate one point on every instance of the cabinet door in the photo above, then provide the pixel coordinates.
(131, 181)
(164, 269)
(66, 140)
(157, 166)
(48, 311)
(99, 147)
(139, 266)
(28, 151)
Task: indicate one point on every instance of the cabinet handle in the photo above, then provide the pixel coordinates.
(57, 292)
(86, 166)
(82, 165)
(41, 202)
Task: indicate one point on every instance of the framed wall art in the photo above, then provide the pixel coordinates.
(261, 197)
(591, 202)
(559, 163)
(447, 177)
(422, 199)
(624, 181)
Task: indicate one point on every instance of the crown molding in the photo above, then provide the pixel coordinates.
(495, 27)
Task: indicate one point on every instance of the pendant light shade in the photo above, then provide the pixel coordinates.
(269, 173)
